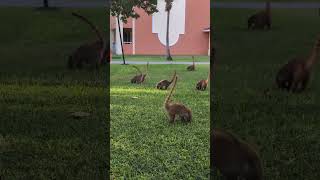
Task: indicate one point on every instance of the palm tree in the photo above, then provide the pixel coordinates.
(168, 9)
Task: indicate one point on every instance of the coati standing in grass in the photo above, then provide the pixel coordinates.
(164, 84)
(176, 109)
(93, 54)
(294, 76)
(261, 19)
(233, 157)
(138, 79)
(202, 84)
(193, 66)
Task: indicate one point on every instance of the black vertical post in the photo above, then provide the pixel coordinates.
(45, 3)
(124, 61)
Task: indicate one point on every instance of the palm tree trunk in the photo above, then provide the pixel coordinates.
(168, 56)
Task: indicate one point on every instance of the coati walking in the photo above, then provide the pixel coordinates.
(193, 66)
(261, 19)
(294, 76)
(233, 157)
(138, 79)
(176, 109)
(202, 84)
(93, 54)
(164, 84)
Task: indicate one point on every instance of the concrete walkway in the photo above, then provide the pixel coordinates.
(157, 62)
(258, 5)
(55, 3)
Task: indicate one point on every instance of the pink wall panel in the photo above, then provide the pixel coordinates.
(193, 42)
(127, 48)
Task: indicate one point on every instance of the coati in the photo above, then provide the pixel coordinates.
(93, 54)
(261, 19)
(294, 76)
(164, 84)
(202, 84)
(176, 109)
(233, 157)
(140, 77)
(193, 66)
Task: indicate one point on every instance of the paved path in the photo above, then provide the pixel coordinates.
(157, 62)
(55, 3)
(257, 5)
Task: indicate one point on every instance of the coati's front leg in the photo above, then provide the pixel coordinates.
(304, 84)
(79, 63)
(70, 62)
(268, 24)
(295, 86)
(172, 117)
(300, 85)
(185, 117)
(250, 23)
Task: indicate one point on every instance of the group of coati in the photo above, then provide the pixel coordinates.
(236, 159)
(295, 75)
(173, 109)
(164, 84)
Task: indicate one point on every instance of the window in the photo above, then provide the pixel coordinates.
(127, 35)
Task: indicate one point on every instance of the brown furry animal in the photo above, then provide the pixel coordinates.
(193, 66)
(294, 76)
(164, 84)
(233, 157)
(202, 84)
(261, 19)
(138, 79)
(93, 54)
(176, 109)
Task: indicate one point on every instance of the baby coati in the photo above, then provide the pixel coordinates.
(261, 19)
(176, 109)
(202, 84)
(233, 158)
(164, 84)
(93, 54)
(140, 77)
(193, 66)
(294, 76)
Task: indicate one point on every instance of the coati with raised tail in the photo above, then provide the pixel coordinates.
(93, 54)
(202, 84)
(261, 19)
(138, 79)
(233, 157)
(176, 109)
(193, 66)
(164, 84)
(295, 75)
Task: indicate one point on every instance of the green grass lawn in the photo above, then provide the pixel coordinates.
(284, 126)
(144, 145)
(39, 139)
(161, 58)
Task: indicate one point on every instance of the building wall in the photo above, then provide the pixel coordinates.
(193, 42)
